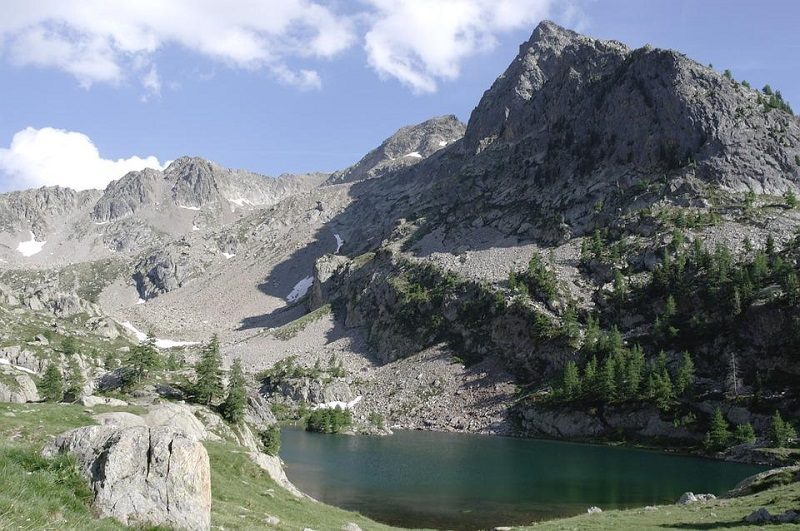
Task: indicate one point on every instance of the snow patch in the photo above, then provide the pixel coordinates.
(188, 207)
(141, 301)
(160, 343)
(339, 243)
(228, 255)
(413, 154)
(300, 289)
(341, 405)
(195, 228)
(4, 361)
(31, 247)
(442, 143)
(102, 222)
(241, 202)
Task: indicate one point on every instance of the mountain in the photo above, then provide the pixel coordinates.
(601, 206)
(406, 147)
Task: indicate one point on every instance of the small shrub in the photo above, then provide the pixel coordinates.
(271, 439)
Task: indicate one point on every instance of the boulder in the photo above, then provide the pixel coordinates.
(16, 386)
(765, 480)
(142, 475)
(119, 419)
(690, 497)
(594, 510)
(762, 516)
(91, 401)
(178, 416)
(350, 526)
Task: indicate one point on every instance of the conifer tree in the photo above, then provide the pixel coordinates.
(236, 400)
(75, 380)
(633, 373)
(684, 379)
(590, 379)
(745, 434)
(663, 392)
(52, 384)
(780, 432)
(607, 381)
(143, 358)
(571, 384)
(209, 373)
(719, 435)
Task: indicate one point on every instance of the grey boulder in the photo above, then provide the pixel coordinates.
(141, 474)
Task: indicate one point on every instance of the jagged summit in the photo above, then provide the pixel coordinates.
(577, 106)
(406, 147)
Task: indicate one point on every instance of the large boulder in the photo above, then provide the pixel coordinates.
(142, 475)
(16, 386)
(181, 417)
(258, 412)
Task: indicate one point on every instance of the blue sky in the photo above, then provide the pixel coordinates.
(318, 90)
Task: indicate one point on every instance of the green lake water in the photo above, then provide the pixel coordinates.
(457, 481)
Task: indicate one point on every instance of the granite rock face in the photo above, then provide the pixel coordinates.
(143, 475)
(16, 386)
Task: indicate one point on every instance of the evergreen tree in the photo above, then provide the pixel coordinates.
(607, 381)
(75, 380)
(780, 432)
(719, 435)
(570, 327)
(634, 372)
(591, 337)
(791, 199)
(69, 346)
(571, 384)
(52, 384)
(745, 434)
(685, 377)
(209, 373)
(143, 358)
(663, 392)
(590, 379)
(236, 400)
(620, 286)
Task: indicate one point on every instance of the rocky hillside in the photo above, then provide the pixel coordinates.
(602, 205)
(405, 148)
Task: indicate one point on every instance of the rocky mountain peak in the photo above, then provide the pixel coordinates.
(406, 147)
(195, 181)
(579, 106)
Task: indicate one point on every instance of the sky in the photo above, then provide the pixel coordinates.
(92, 89)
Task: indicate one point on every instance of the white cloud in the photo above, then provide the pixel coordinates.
(48, 157)
(105, 41)
(420, 42)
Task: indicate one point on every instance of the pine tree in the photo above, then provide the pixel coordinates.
(75, 380)
(685, 377)
(209, 373)
(620, 286)
(52, 384)
(780, 432)
(663, 392)
(571, 383)
(745, 434)
(633, 373)
(236, 400)
(591, 337)
(590, 379)
(719, 435)
(142, 359)
(607, 381)
(791, 199)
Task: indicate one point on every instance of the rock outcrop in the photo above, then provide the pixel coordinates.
(143, 475)
(16, 386)
(405, 148)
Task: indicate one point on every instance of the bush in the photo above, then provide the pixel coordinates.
(745, 434)
(271, 439)
(329, 420)
(69, 346)
(376, 419)
(781, 433)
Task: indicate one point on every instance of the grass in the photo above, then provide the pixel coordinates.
(289, 330)
(718, 514)
(38, 493)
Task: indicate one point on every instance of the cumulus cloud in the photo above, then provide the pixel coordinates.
(48, 157)
(103, 41)
(420, 42)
